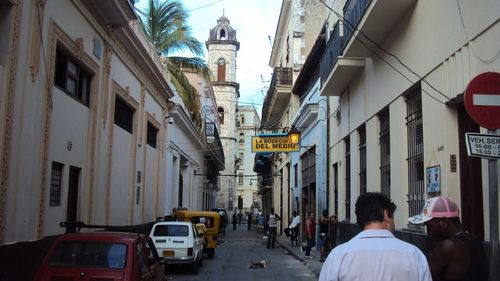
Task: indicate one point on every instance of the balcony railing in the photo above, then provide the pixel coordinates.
(353, 12)
(282, 76)
(332, 52)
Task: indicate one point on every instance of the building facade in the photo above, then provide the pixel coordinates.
(299, 24)
(222, 46)
(92, 129)
(398, 121)
(247, 124)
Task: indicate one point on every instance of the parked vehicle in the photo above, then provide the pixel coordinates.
(178, 243)
(223, 219)
(211, 221)
(102, 255)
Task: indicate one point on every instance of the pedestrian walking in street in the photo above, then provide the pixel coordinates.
(458, 254)
(272, 223)
(333, 231)
(310, 234)
(375, 254)
(293, 226)
(260, 223)
(240, 216)
(249, 226)
(234, 221)
(323, 222)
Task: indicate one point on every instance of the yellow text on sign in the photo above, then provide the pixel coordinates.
(273, 144)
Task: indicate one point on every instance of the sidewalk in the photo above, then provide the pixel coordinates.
(313, 263)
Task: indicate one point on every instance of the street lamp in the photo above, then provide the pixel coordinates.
(294, 135)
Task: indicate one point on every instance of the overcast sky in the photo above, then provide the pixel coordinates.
(254, 21)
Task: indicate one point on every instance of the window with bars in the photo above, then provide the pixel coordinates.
(72, 78)
(152, 132)
(416, 184)
(362, 159)
(385, 152)
(347, 142)
(55, 184)
(308, 163)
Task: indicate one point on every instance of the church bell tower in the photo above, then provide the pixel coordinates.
(222, 47)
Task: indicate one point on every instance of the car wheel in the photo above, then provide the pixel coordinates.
(194, 267)
(201, 259)
(211, 253)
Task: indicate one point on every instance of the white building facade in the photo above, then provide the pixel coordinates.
(248, 124)
(398, 115)
(83, 111)
(91, 129)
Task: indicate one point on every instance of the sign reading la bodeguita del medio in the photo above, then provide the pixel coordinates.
(273, 144)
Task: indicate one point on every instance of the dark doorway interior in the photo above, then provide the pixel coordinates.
(181, 183)
(471, 184)
(74, 180)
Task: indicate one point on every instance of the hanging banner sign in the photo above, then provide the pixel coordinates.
(273, 144)
(483, 145)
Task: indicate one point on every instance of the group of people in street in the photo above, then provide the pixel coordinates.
(376, 254)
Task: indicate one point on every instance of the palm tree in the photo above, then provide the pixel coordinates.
(165, 25)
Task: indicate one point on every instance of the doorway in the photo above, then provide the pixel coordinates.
(471, 184)
(73, 183)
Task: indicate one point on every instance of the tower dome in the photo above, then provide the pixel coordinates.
(223, 33)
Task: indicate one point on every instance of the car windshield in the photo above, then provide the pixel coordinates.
(171, 230)
(89, 254)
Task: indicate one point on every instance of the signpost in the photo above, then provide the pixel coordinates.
(483, 145)
(482, 102)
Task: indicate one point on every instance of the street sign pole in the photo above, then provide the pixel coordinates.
(482, 102)
(493, 200)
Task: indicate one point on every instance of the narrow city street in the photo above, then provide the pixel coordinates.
(232, 261)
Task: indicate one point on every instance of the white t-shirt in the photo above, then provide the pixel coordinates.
(295, 222)
(272, 220)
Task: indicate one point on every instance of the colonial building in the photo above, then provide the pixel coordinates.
(247, 124)
(398, 121)
(222, 47)
(91, 128)
(299, 24)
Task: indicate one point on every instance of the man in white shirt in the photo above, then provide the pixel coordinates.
(294, 223)
(375, 254)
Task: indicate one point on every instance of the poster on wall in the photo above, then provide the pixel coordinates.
(433, 175)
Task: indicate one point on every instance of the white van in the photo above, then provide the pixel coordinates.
(178, 242)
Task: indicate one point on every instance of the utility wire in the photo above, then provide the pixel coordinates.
(388, 53)
(486, 61)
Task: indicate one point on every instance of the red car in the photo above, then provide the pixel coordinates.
(102, 256)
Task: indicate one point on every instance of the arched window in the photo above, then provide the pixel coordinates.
(221, 70)
(220, 110)
(222, 34)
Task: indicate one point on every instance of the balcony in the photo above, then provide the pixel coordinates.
(278, 96)
(215, 151)
(336, 70)
(375, 19)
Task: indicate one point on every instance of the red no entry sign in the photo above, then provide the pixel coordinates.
(482, 100)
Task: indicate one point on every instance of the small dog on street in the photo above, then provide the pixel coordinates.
(260, 264)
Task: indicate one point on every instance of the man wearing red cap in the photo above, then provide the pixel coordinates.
(458, 255)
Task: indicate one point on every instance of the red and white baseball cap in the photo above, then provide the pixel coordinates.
(436, 207)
